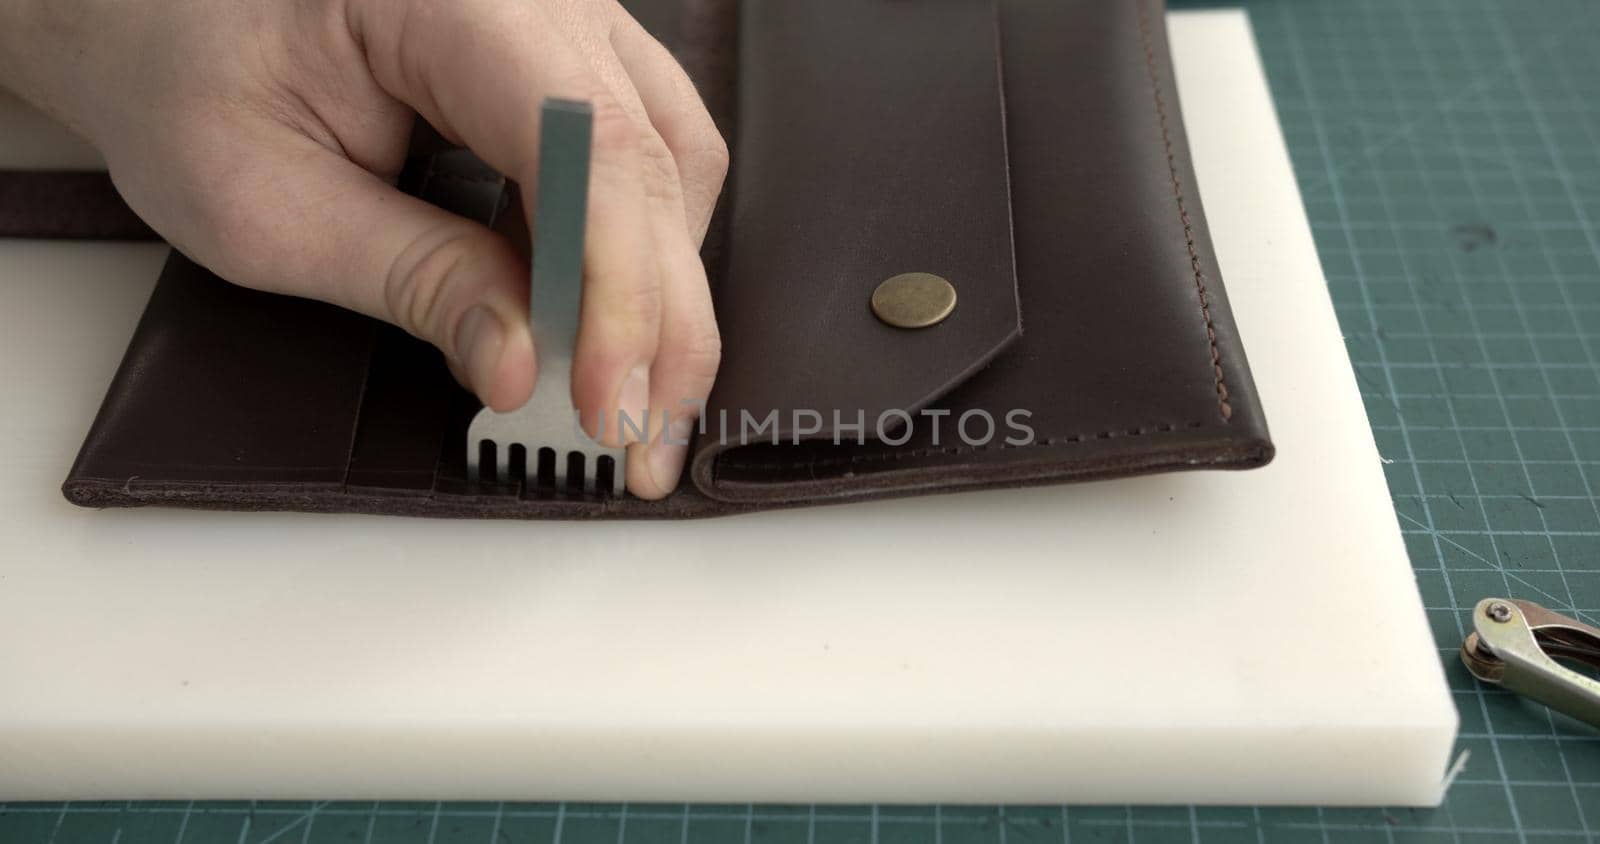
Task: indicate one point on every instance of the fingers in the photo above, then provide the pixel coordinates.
(679, 116)
(690, 347)
(620, 321)
(656, 90)
(479, 71)
(297, 218)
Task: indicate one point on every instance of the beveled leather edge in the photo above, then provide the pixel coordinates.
(1192, 451)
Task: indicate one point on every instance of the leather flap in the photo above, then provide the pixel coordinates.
(870, 142)
(1131, 362)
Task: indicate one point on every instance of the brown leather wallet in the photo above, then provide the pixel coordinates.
(1031, 152)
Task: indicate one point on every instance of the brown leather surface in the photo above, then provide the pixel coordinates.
(1042, 168)
(66, 204)
(899, 116)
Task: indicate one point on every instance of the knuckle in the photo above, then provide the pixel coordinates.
(623, 139)
(660, 169)
(701, 153)
(701, 141)
(636, 305)
(716, 150)
(426, 283)
(699, 350)
(710, 157)
(615, 130)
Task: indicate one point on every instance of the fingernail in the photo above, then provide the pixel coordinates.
(667, 456)
(479, 341)
(634, 397)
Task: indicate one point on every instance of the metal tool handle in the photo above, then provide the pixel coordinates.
(540, 443)
(556, 287)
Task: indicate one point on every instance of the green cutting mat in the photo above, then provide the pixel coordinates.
(1449, 153)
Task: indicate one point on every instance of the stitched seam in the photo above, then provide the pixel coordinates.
(1223, 406)
(891, 456)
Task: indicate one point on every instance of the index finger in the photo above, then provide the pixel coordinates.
(479, 71)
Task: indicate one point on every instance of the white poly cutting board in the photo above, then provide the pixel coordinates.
(1206, 637)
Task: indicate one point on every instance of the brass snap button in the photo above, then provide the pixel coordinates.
(913, 300)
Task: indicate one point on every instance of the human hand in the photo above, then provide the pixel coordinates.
(261, 138)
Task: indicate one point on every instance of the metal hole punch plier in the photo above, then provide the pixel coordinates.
(1515, 644)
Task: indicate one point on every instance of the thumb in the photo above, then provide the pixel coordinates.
(318, 226)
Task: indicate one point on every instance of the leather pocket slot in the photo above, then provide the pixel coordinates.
(227, 392)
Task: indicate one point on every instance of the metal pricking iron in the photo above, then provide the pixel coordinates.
(541, 440)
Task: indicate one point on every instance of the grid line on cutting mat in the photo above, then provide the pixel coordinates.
(1448, 152)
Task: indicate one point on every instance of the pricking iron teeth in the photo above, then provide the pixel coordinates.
(541, 443)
